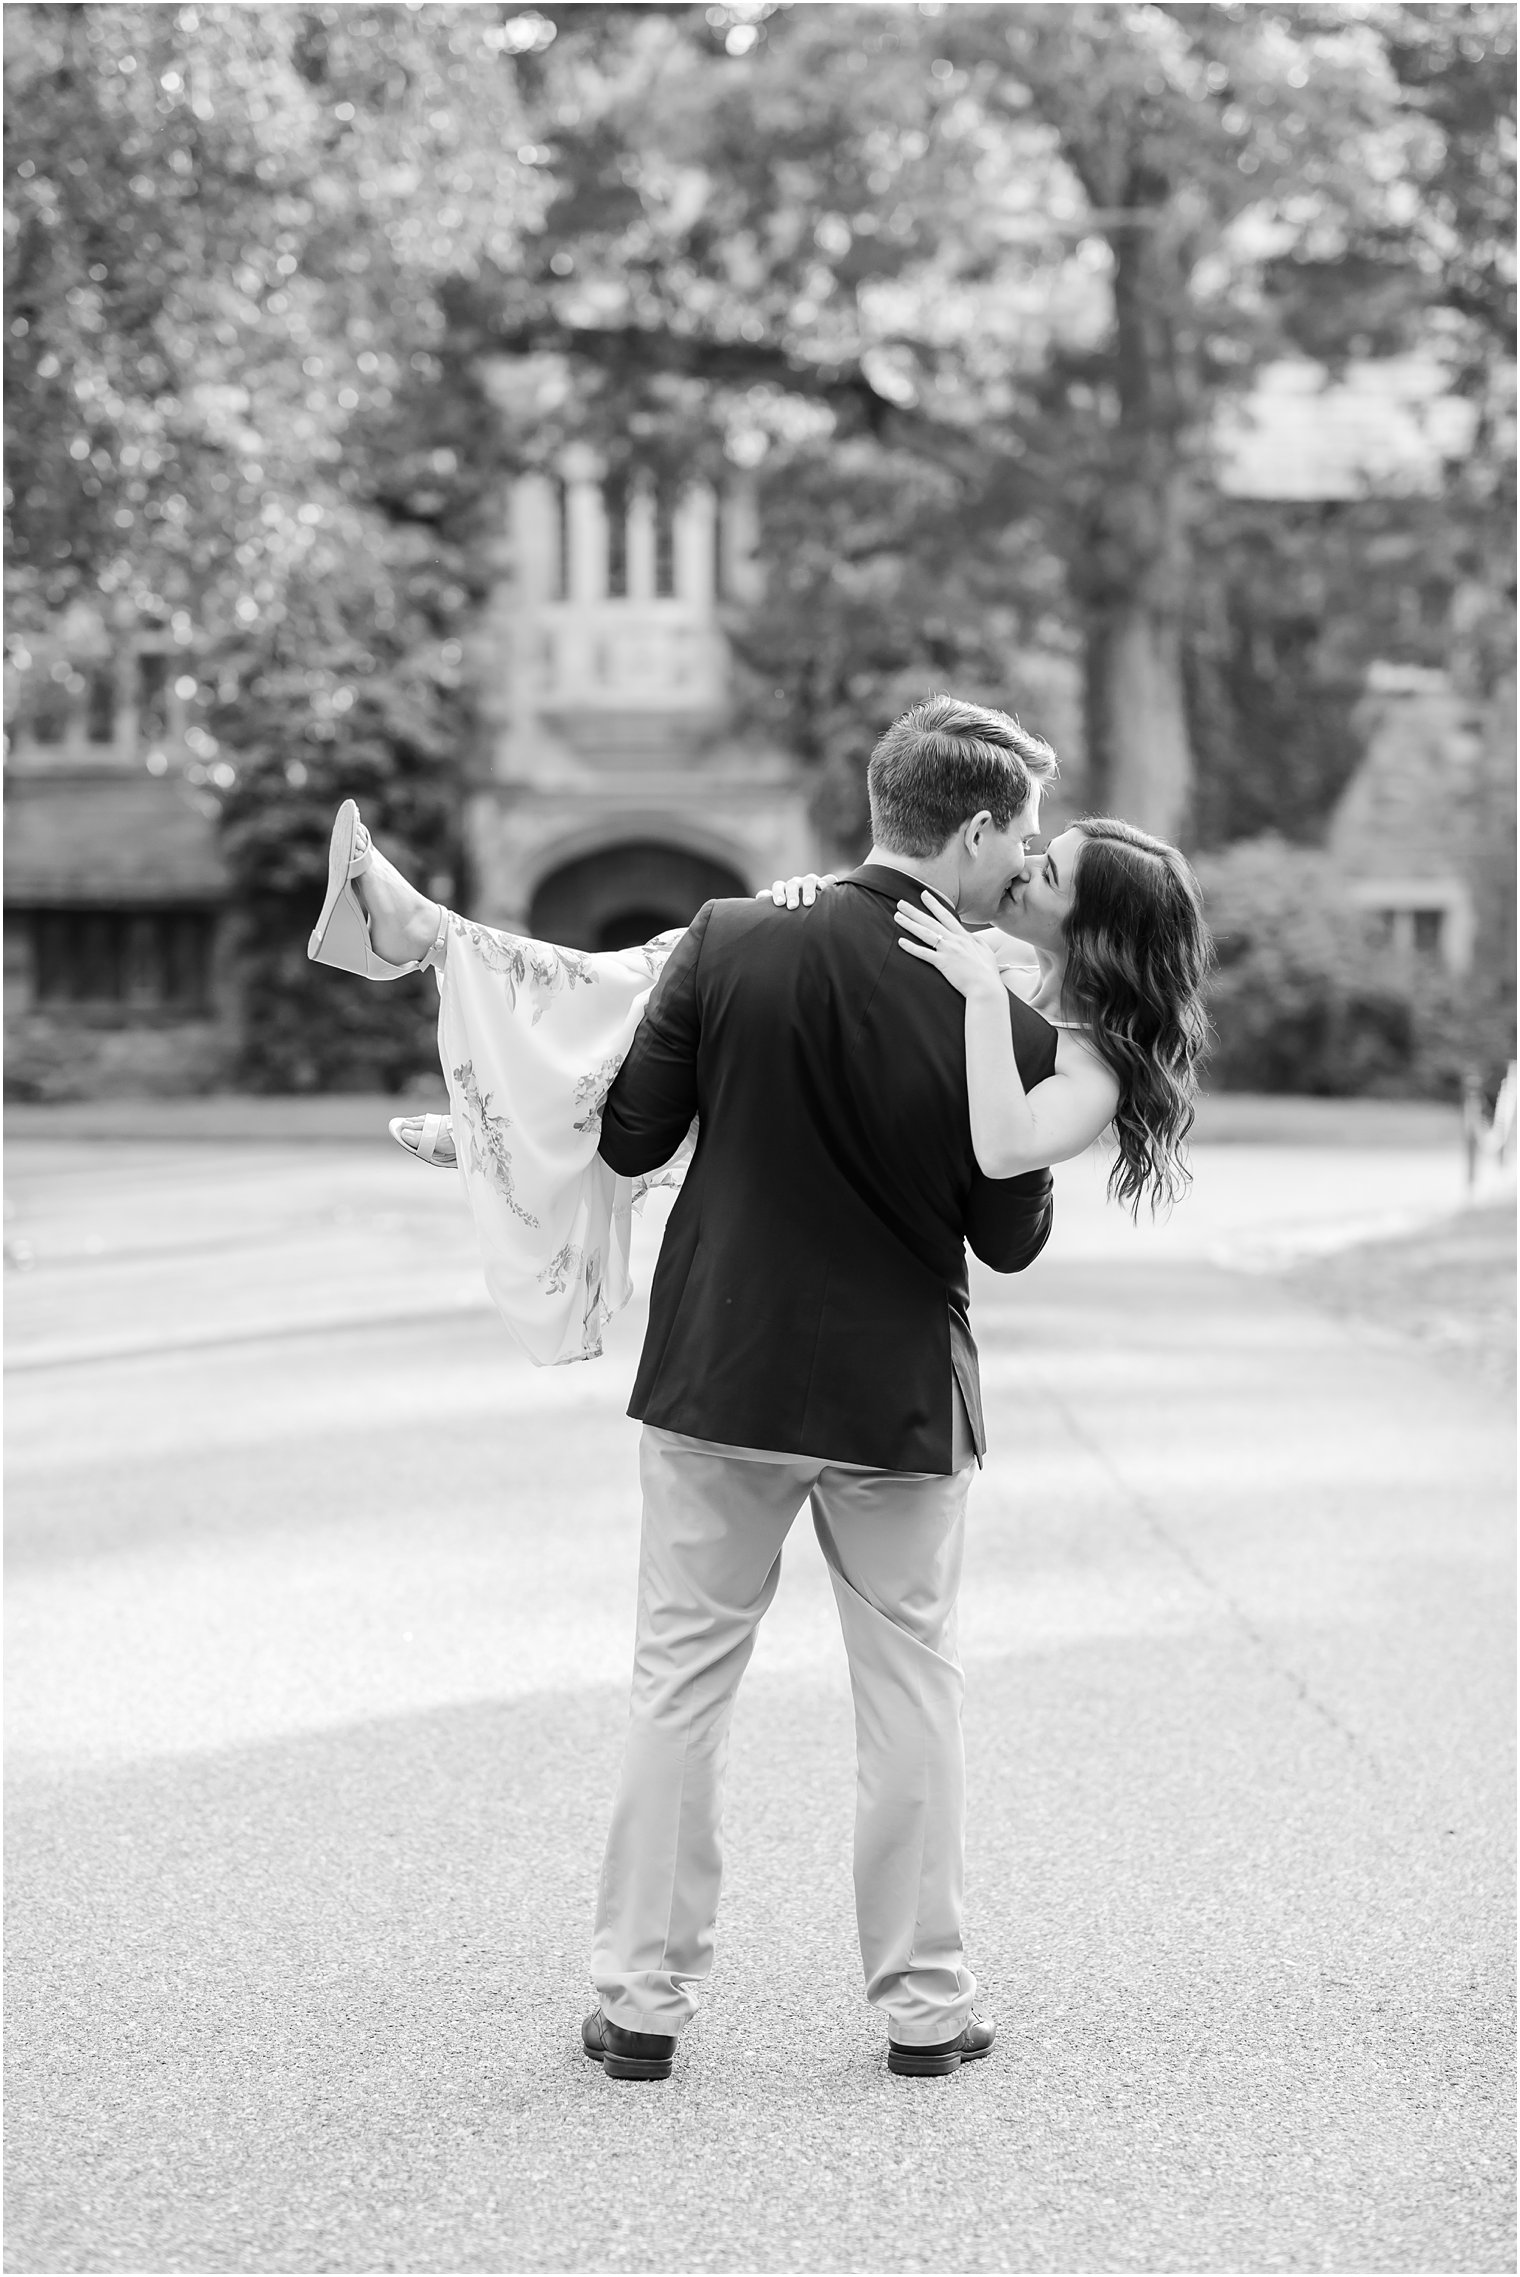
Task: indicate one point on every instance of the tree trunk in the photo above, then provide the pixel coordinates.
(1139, 756)
(1135, 573)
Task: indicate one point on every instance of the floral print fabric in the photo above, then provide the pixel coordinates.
(531, 1037)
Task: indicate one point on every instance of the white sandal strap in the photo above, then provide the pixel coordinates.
(435, 955)
(427, 1144)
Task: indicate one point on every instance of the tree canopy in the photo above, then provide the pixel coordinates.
(288, 286)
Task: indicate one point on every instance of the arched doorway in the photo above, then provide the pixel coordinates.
(621, 895)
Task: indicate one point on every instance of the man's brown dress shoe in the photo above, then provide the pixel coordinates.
(627, 2055)
(945, 2055)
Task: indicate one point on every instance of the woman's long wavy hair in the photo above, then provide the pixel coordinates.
(1137, 953)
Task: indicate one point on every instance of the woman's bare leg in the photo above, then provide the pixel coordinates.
(403, 923)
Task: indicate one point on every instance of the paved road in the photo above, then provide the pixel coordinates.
(318, 1620)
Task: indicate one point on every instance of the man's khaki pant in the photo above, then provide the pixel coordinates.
(715, 1519)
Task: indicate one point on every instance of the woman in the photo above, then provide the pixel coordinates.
(531, 1037)
(1121, 950)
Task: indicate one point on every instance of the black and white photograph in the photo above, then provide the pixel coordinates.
(760, 1156)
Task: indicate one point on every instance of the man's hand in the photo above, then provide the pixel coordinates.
(787, 893)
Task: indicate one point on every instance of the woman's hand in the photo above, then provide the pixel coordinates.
(964, 958)
(1013, 1129)
(786, 893)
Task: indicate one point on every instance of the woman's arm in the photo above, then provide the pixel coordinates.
(1012, 1130)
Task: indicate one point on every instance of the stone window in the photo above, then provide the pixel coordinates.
(720, 545)
(1411, 930)
(561, 583)
(152, 695)
(138, 959)
(52, 708)
(615, 496)
(100, 704)
(664, 542)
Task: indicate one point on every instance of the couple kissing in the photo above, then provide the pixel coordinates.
(851, 1080)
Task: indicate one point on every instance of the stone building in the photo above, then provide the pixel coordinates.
(1423, 835)
(616, 793)
(1405, 834)
(617, 797)
(114, 891)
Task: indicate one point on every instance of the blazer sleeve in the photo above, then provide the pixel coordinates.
(652, 1102)
(1008, 1220)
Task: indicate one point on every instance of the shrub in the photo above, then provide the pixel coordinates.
(1299, 1001)
(318, 714)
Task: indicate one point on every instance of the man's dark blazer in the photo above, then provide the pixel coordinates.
(811, 1294)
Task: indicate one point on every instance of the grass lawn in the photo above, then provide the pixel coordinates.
(1451, 1286)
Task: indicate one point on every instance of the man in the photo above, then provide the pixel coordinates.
(809, 1340)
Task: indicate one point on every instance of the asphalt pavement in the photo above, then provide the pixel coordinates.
(319, 1611)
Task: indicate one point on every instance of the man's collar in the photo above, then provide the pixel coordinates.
(892, 885)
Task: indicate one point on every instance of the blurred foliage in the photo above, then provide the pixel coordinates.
(1032, 247)
(1295, 1001)
(359, 685)
(232, 405)
(1293, 603)
(881, 588)
(349, 695)
(1303, 999)
(1027, 249)
(225, 231)
(290, 288)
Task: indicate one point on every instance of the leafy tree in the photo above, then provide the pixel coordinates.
(231, 401)
(1031, 247)
(1292, 604)
(1035, 246)
(880, 589)
(288, 287)
(349, 695)
(225, 232)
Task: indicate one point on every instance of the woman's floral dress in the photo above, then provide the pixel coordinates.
(530, 1037)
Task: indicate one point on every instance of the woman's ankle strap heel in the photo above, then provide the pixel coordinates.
(435, 955)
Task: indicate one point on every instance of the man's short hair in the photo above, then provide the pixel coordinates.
(945, 761)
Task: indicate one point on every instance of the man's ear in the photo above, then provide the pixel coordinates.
(972, 831)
